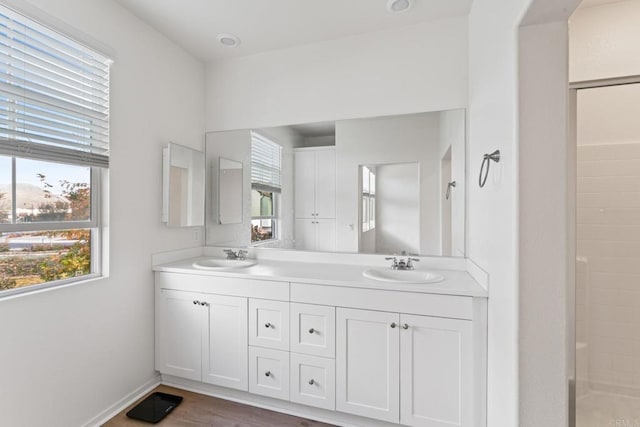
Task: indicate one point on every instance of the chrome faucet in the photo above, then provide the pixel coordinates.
(231, 254)
(241, 254)
(402, 264)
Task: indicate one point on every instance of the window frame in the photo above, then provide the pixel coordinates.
(275, 228)
(270, 186)
(97, 224)
(94, 225)
(368, 201)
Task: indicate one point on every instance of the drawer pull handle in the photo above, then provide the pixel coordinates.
(311, 382)
(311, 330)
(269, 325)
(393, 325)
(405, 326)
(267, 374)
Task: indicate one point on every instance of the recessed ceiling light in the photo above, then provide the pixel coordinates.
(398, 5)
(228, 40)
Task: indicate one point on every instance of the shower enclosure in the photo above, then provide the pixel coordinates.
(607, 275)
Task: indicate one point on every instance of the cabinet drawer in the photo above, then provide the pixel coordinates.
(313, 329)
(269, 324)
(269, 372)
(313, 381)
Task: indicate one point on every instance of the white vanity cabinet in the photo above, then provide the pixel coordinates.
(397, 357)
(396, 367)
(436, 371)
(202, 337)
(367, 359)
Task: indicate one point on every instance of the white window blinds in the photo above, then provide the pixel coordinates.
(54, 95)
(266, 163)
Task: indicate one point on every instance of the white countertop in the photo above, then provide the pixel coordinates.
(455, 282)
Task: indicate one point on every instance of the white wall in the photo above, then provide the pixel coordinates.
(453, 134)
(69, 353)
(492, 124)
(604, 41)
(407, 70)
(544, 204)
(394, 139)
(398, 208)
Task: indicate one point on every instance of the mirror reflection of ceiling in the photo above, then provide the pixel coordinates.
(195, 24)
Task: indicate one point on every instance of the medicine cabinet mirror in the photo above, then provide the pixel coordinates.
(230, 191)
(183, 186)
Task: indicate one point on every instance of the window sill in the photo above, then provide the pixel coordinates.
(49, 286)
(264, 243)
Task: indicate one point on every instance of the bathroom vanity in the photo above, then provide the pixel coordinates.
(321, 340)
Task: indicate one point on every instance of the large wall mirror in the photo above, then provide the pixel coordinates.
(387, 185)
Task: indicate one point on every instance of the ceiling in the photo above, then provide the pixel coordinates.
(591, 3)
(309, 130)
(264, 25)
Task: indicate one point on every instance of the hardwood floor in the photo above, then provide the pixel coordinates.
(200, 410)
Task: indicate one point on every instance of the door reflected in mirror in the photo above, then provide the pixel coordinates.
(390, 208)
(230, 191)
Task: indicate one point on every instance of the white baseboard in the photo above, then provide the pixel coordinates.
(117, 407)
(277, 405)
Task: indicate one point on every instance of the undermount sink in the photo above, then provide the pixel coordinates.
(220, 263)
(402, 276)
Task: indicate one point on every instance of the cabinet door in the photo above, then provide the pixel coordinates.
(224, 349)
(305, 234)
(304, 188)
(269, 324)
(325, 234)
(367, 363)
(313, 329)
(436, 372)
(325, 183)
(180, 333)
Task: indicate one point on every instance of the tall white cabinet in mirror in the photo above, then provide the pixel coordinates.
(315, 198)
(182, 186)
(230, 191)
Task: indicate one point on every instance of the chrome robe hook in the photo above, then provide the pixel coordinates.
(495, 156)
(449, 185)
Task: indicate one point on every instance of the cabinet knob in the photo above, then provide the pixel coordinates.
(311, 330)
(311, 382)
(206, 304)
(267, 374)
(195, 302)
(393, 325)
(405, 326)
(268, 325)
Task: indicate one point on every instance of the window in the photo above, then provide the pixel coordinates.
(54, 149)
(368, 198)
(266, 166)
